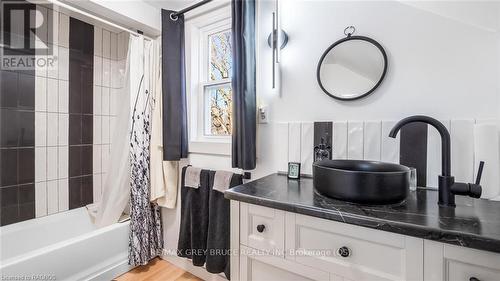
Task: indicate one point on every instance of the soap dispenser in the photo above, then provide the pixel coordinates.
(322, 151)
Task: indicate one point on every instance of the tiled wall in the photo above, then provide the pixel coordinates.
(17, 146)
(417, 145)
(49, 148)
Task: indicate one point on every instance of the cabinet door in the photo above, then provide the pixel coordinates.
(257, 267)
(351, 252)
(445, 262)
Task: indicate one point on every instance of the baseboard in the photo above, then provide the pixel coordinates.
(112, 271)
(198, 271)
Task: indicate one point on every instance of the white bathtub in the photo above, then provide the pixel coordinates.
(64, 246)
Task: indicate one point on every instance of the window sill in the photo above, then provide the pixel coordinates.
(218, 147)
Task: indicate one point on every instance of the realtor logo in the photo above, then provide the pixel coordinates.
(25, 35)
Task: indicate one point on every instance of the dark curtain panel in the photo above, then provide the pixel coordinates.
(175, 140)
(243, 82)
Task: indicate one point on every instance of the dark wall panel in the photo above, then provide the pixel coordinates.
(17, 136)
(81, 75)
(413, 149)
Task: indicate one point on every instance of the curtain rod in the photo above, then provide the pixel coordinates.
(187, 9)
(74, 9)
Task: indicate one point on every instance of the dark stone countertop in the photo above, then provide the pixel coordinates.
(474, 223)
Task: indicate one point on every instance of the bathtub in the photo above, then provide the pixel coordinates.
(64, 246)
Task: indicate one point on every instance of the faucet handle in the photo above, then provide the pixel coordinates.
(479, 172)
(475, 189)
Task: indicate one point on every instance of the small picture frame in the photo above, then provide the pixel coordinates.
(293, 170)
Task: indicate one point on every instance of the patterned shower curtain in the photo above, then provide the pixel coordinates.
(145, 241)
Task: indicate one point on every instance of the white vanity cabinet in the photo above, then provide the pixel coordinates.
(279, 245)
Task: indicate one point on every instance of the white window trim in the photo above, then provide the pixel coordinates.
(197, 30)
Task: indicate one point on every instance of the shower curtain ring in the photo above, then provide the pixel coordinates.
(173, 17)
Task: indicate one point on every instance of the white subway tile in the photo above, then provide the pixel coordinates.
(97, 100)
(120, 76)
(98, 70)
(389, 146)
(106, 44)
(40, 129)
(105, 93)
(281, 143)
(62, 166)
(40, 199)
(294, 137)
(63, 124)
(41, 31)
(114, 46)
(53, 63)
(97, 187)
(52, 163)
(114, 77)
(63, 102)
(52, 93)
(97, 41)
(63, 190)
(52, 128)
(41, 69)
(355, 140)
(96, 158)
(97, 128)
(40, 164)
(40, 93)
(372, 140)
(307, 147)
(52, 197)
(63, 63)
(122, 45)
(339, 149)
(63, 30)
(106, 72)
(53, 26)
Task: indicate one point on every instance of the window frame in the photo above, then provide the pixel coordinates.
(197, 31)
(206, 83)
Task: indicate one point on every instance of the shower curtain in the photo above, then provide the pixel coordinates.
(116, 191)
(145, 241)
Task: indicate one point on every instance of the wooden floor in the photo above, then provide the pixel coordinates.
(157, 269)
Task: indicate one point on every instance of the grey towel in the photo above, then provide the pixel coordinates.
(192, 177)
(222, 180)
(219, 228)
(194, 219)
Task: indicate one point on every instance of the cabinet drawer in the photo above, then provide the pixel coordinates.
(262, 228)
(258, 267)
(371, 254)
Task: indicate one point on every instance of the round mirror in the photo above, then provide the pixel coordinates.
(352, 68)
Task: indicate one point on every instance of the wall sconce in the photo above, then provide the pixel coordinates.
(277, 40)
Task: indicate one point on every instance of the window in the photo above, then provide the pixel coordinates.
(208, 75)
(217, 85)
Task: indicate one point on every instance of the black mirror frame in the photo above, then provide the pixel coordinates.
(348, 38)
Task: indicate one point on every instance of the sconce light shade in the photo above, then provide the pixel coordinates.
(274, 36)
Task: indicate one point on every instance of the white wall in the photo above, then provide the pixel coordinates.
(437, 66)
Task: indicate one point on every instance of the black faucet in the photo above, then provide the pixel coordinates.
(448, 188)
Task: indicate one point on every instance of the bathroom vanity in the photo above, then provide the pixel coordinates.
(283, 230)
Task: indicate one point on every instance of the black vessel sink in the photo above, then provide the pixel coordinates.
(359, 181)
